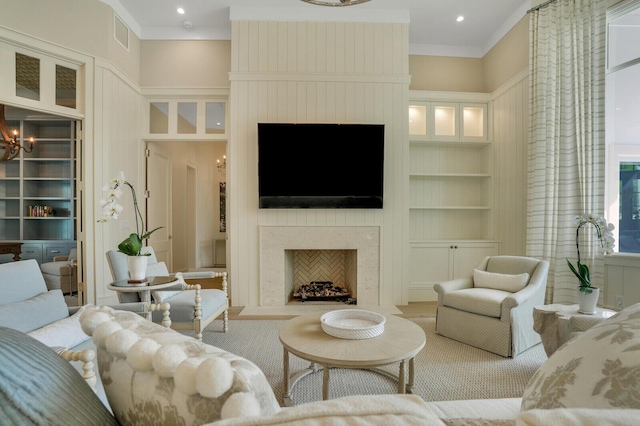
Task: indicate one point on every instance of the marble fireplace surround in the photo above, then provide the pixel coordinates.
(274, 240)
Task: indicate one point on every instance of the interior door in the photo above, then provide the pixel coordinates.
(159, 201)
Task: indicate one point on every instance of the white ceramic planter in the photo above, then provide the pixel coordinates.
(137, 267)
(587, 302)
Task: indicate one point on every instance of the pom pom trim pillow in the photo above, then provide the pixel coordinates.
(505, 282)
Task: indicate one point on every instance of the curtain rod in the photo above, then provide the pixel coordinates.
(540, 6)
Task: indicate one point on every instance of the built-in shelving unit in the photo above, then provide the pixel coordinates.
(37, 189)
(450, 187)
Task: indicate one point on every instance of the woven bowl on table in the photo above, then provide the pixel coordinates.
(353, 324)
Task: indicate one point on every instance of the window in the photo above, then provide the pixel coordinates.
(27, 77)
(65, 86)
(622, 110)
(159, 117)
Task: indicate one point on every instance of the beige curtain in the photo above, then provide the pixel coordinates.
(566, 136)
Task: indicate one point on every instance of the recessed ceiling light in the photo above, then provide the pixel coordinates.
(460, 18)
(180, 11)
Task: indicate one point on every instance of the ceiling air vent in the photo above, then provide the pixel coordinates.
(120, 31)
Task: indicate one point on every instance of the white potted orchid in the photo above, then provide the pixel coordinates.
(588, 295)
(132, 245)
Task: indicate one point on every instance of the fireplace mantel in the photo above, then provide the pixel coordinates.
(274, 240)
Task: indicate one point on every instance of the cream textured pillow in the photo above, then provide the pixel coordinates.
(505, 282)
(599, 368)
(66, 332)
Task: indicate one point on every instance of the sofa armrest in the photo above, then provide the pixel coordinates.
(86, 357)
(488, 409)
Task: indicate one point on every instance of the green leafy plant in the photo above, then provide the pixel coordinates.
(607, 242)
(111, 209)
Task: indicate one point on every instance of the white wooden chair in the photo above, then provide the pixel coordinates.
(191, 308)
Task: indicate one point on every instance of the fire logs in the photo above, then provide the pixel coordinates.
(320, 290)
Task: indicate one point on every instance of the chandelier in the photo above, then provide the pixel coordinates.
(11, 147)
(222, 167)
(336, 2)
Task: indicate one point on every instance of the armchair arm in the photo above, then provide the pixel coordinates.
(60, 258)
(453, 285)
(199, 274)
(534, 291)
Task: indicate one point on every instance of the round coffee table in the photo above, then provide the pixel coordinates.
(303, 336)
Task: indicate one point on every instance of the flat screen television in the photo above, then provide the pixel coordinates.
(320, 166)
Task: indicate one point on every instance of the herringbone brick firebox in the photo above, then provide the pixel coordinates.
(337, 266)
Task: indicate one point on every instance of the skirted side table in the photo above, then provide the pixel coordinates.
(558, 323)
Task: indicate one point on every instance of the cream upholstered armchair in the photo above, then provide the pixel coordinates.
(190, 307)
(493, 309)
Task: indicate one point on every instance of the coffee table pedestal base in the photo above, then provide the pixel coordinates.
(290, 381)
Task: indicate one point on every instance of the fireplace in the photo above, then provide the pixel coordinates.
(354, 251)
(321, 275)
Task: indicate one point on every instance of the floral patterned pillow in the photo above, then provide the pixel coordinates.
(599, 368)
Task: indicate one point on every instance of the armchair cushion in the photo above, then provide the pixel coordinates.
(66, 332)
(211, 301)
(36, 312)
(494, 280)
(481, 301)
(38, 387)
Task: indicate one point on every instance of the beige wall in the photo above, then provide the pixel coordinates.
(185, 63)
(448, 74)
(508, 57)
(80, 25)
(503, 62)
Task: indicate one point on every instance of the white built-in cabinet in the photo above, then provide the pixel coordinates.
(37, 190)
(450, 188)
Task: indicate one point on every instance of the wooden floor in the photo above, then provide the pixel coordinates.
(412, 310)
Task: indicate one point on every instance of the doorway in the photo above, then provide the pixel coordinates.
(195, 202)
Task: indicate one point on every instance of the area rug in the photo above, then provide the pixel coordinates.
(445, 369)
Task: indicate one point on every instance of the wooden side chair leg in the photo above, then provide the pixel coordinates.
(164, 307)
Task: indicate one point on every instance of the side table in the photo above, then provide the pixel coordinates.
(558, 323)
(144, 289)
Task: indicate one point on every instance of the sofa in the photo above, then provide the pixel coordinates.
(28, 306)
(593, 379)
(153, 376)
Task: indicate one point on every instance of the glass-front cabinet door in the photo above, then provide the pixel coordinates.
(448, 121)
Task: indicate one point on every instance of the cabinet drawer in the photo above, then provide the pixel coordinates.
(53, 250)
(32, 251)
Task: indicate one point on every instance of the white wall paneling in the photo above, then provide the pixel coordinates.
(621, 280)
(510, 111)
(118, 125)
(316, 72)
